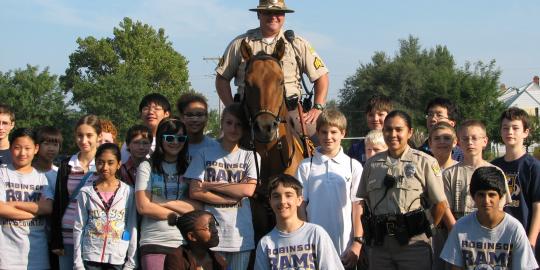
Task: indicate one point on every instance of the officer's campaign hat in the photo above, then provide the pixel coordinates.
(272, 5)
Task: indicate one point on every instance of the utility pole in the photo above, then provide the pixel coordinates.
(215, 60)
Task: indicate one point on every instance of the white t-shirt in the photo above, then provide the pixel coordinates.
(194, 148)
(168, 187)
(23, 243)
(214, 164)
(309, 247)
(331, 184)
(472, 246)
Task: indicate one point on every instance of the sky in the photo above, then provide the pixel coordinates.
(345, 33)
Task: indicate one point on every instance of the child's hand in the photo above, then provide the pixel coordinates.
(59, 252)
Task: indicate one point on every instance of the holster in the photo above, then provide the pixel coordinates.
(292, 102)
(418, 223)
(401, 226)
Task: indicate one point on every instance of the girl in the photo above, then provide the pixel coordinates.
(25, 199)
(442, 139)
(199, 229)
(161, 190)
(104, 231)
(224, 176)
(138, 139)
(72, 175)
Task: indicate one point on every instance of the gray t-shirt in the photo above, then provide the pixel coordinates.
(194, 148)
(472, 246)
(155, 231)
(309, 247)
(214, 164)
(23, 243)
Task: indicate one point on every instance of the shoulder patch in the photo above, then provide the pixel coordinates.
(436, 169)
(317, 63)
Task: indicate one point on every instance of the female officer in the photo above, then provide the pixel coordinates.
(397, 185)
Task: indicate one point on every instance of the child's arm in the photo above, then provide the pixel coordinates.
(183, 206)
(131, 227)
(148, 208)
(81, 219)
(197, 192)
(534, 229)
(234, 190)
(42, 207)
(10, 212)
(352, 253)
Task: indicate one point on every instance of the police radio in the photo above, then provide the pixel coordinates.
(307, 102)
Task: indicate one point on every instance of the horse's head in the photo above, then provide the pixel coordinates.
(264, 91)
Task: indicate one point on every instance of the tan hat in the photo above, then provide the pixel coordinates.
(272, 5)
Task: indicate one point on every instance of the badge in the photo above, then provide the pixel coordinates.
(436, 169)
(409, 170)
(126, 236)
(273, 2)
(317, 63)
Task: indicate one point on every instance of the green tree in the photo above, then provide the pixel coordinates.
(109, 76)
(414, 76)
(213, 128)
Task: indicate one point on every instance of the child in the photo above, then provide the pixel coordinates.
(522, 173)
(49, 140)
(441, 110)
(108, 132)
(488, 238)
(377, 109)
(199, 229)
(7, 123)
(442, 139)
(330, 179)
(138, 141)
(72, 176)
(472, 139)
(25, 199)
(160, 190)
(104, 231)
(374, 142)
(293, 243)
(223, 177)
(152, 109)
(193, 111)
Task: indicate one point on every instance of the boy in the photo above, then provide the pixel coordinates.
(488, 238)
(376, 110)
(330, 179)
(473, 139)
(50, 140)
(153, 108)
(138, 140)
(293, 243)
(193, 110)
(441, 110)
(374, 143)
(7, 123)
(108, 131)
(522, 173)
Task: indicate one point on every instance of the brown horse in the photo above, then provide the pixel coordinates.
(271, 132)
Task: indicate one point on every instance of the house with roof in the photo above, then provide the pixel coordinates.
(526, 97)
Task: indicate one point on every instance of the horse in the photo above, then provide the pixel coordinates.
(271, 133)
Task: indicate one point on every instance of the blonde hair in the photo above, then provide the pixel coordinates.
(375, 137)
(333, 118)
(442, 126)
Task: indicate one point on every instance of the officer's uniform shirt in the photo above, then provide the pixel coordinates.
(415, 172)
(233, 65)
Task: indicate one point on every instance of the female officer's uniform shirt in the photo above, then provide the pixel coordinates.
(416, 172)
(216, 165)
(23, 243)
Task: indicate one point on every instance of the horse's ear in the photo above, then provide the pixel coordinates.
(279, 50)
(246, 50)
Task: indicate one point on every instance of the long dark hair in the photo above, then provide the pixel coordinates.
(169, 125)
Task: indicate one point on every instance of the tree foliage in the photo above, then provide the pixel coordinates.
(413, 77)
(109, 76)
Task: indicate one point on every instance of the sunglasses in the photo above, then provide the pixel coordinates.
(174, 138)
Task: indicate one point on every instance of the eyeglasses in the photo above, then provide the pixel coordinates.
(174, 138)
(436, 116)
(195, 114)
(471, 138)
(154, 108)
(212, 225)
(141, 143)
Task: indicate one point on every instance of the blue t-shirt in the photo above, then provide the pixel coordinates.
(358, 151)
(523, 176)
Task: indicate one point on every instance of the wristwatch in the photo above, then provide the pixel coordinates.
(359, 239)
(319, 106)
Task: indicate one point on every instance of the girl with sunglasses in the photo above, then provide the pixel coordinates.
(223, 177)
(161, 190)
(199, 229)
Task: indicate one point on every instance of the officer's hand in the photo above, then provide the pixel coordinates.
(311, 116)
(349, 258)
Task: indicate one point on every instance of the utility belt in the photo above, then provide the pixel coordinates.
(291, 102)
(401, 226)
